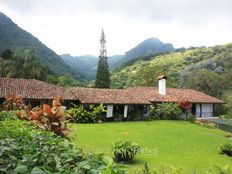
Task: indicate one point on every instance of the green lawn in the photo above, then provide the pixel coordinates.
(173, 143)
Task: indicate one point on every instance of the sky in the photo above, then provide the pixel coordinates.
(74, 26)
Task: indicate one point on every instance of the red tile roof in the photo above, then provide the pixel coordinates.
(107, 96)
(35, 89)
(173, 95)
(31, 89)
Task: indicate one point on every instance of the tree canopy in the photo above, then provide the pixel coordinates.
(103, 74)
(23, 64)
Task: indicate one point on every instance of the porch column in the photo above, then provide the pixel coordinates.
(125, 111)
(200, 110)
(109, 111)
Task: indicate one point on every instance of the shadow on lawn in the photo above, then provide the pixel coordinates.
(133, 162)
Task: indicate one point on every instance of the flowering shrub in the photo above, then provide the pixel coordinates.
(13, 102)
(48, 118)
(186, 105)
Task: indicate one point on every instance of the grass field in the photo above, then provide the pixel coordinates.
(169, 143)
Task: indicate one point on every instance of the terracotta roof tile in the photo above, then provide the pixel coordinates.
(173, 95)
(35, 89)
(31, 89)
(106, 96)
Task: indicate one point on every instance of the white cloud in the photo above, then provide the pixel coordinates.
(74, 26)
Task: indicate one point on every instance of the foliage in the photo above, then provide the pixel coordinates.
(15, 38)
(10, 115)
(225, 116)
(172, 170)
(207, 81)
(124, 151)
(168, 110)
(152, 115)
(85, 66)
(213, 62)
(103, 74)
(186, 106)
(191, 118)
(88, 114)
(226, 148)
(25, 149)
(225, 108)
(23, 64)
(48, 118)
(13, 102)
(67, 80)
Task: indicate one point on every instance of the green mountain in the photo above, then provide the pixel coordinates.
(86, 66)
(14, 38)
(148, 48)
(205, 69)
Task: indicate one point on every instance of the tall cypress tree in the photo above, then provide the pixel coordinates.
(103, 74)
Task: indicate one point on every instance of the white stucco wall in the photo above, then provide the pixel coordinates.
(207, 110)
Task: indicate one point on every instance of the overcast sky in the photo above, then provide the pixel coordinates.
(74, 26)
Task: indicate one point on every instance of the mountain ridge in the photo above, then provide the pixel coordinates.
(144, 50)
(15, 38)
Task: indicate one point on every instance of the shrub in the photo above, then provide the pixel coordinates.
(11, 115)
(224, 116)
(152, 115)
(168, 110)
(125, 151)
(90, 114)
(185, 105)
(13, 102)
(191, 118)
(48, 118)
(26, 149)
(226, 148)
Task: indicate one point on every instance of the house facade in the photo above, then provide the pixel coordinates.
(122, 104)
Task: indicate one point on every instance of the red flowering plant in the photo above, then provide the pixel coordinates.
(47, 117)
(186, 105)
(13, 102)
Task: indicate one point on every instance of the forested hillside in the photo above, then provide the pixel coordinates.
(86, 66)
(205, 69)
(14, 38)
